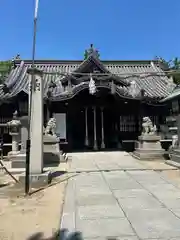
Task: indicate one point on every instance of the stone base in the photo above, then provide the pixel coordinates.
(52, 153)
(37, 180)
(12, 153)
(51, 149)
(175, 155)
(149, 154)
(149, 138)
(18, 161)
(149, 148)
(173, 164)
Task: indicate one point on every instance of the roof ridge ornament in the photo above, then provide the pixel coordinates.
(91, 52)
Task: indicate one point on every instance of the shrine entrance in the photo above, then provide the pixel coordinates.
(94, 121)
(102, 130)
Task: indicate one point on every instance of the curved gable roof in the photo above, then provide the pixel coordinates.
(154, 85)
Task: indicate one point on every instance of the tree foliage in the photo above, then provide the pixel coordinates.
(173, 64)
(5, 68)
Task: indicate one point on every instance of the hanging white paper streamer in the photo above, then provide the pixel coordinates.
(134, 90)
(92, 86)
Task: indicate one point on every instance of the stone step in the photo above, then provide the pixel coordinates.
(175, 157)
(173, 163)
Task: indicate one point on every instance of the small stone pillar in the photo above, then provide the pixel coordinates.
(14, 130)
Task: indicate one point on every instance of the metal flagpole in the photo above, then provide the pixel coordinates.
(30, 100)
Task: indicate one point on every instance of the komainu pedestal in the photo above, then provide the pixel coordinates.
(149, 148)
(52, 152)
(175, 155)
(174, 152)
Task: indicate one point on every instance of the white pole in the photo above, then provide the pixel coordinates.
(33, 66)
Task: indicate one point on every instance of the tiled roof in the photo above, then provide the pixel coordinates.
(173, 95)
(154, 86)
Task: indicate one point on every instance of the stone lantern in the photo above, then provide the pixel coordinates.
(14, 130)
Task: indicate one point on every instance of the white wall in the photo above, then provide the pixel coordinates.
(60, 124)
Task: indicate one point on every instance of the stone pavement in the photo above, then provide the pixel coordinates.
(111, 194)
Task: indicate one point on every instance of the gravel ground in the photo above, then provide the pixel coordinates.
(21, 218)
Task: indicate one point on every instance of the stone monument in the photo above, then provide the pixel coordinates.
(37, 175)
(148, 146)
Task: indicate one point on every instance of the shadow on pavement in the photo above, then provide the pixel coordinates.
(58, 173)
(63, 234)
(4, 185)
(60, 235)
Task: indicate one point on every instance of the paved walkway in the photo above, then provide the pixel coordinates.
(102, 200)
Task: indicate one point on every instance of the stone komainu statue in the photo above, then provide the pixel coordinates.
(51, 127)
(148, 127)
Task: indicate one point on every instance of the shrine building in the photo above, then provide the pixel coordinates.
(98, 104)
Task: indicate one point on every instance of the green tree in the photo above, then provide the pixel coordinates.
(173, 64)
(85, 54)
(5, 68)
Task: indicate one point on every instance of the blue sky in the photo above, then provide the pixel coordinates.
(119, 29)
